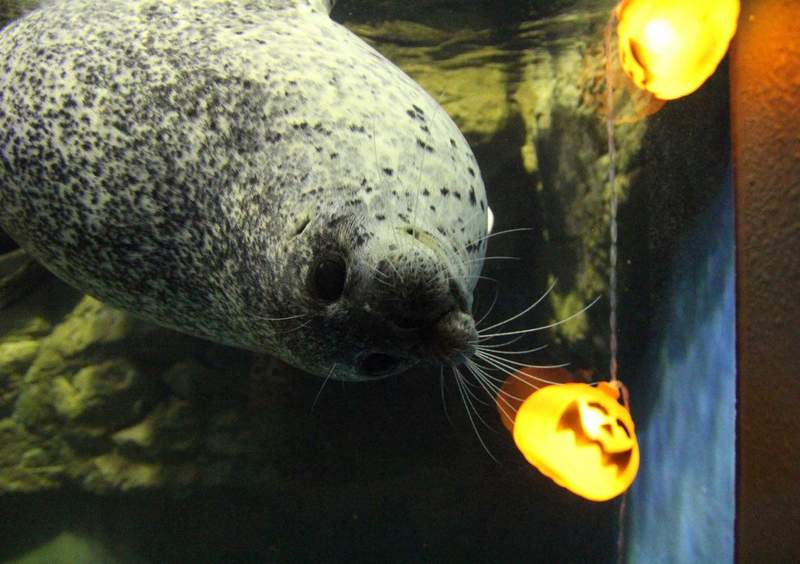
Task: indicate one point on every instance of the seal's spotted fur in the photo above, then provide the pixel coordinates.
(191, 160)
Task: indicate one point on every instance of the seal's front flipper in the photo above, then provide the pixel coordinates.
(20, 274)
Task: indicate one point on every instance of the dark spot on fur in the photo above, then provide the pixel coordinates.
(424, 145)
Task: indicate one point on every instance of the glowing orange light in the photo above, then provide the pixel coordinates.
(522, 384)
(581, 437)
(670, 47)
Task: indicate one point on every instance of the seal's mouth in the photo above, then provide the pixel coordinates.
(379, 365)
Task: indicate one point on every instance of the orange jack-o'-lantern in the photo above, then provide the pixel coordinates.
(522, 384)
(670, 47)
(581, 437)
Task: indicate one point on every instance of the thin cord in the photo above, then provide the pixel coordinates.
(612, 258)
(612, 176)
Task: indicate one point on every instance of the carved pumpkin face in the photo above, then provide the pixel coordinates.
(670, 47)
(581, 437)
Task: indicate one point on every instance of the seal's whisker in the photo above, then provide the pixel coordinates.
(468, 407)
(542, 327)
(489, 311)
(322, 387)
(380, 277)
(287, 318)
(523, 312)
(526, 382)
(496, 391)
(440, 269)
(469, 386)
(496, 356)
(471, 277)
(397, 272)
(480, 343)
(483, 380)
(496, 257)
(489, 383)
(498, 365)
(297, 328)
(496, 233)
(498, 349)
(511, 368)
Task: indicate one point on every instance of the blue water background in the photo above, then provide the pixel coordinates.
(681, 507)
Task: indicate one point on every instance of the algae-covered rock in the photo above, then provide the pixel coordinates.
(27, 463)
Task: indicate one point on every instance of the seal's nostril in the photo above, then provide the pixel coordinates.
(379, 364)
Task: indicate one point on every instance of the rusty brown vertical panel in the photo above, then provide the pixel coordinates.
(765, 106)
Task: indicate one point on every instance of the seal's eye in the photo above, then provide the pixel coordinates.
(329, 277)
(379, 364)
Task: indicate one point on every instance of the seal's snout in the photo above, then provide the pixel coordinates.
(454, 337)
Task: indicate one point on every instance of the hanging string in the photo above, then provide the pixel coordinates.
(612, 258)
(612, 175)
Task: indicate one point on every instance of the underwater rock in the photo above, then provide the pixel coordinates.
(27, 463)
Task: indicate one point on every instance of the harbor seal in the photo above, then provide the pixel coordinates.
(246, 171)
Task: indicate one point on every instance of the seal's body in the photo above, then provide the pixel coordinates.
(246, 171)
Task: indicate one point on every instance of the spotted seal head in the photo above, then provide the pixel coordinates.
(250, 172)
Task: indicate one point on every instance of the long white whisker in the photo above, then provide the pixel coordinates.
(510, 362)
(504, 232)
(322, 387)
(479, 342)
(491, 389)
(499, 393)
(495, 348)
(508, 368)
(287, 318)
(524, 311)
(543, 327)
(491, 307)
(467, 406)
(483, 259)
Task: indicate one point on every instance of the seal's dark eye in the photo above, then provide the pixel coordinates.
(379, 364)
(329, 277)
